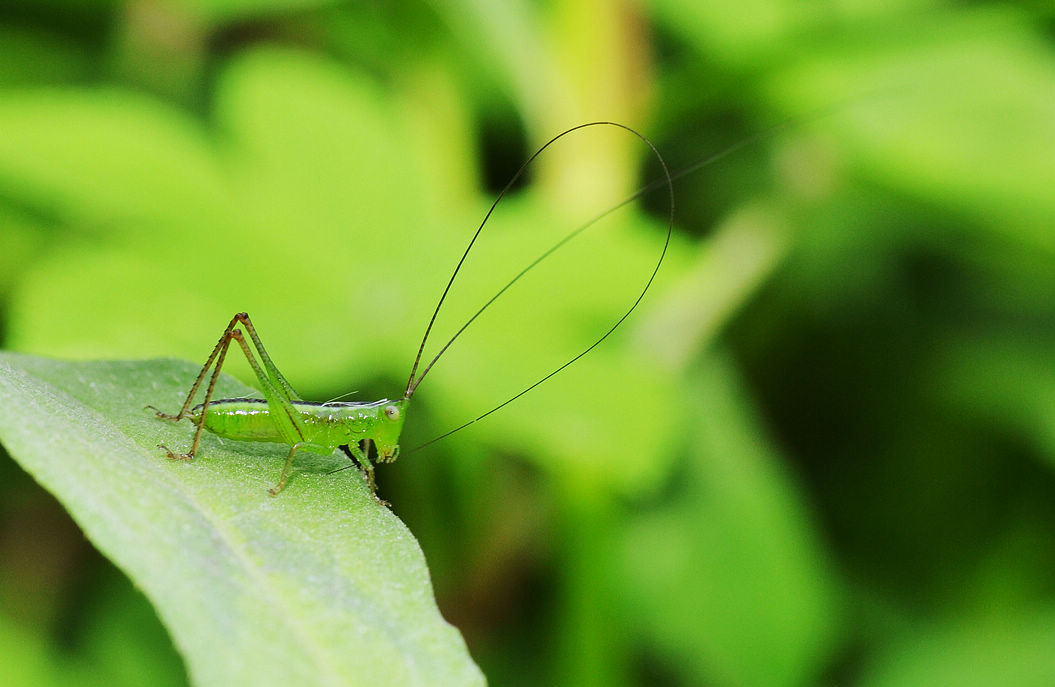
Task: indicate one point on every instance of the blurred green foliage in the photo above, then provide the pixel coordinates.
(821, 451)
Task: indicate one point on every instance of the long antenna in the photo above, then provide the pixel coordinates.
(666, 179)
(413, 383)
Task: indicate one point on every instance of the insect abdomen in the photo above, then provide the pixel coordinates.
(249, 419)
(246, 419)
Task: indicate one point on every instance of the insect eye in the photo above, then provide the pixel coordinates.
(392, 412)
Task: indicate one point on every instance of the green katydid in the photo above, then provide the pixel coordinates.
(283, 417)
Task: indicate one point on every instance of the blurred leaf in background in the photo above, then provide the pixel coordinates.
(820, 452)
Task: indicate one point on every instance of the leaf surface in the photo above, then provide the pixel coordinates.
(320, 585)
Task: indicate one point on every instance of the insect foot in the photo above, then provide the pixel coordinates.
(172, 455)
(163, 416)
(274, 491)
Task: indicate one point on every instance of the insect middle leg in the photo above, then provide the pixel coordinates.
(300, 446)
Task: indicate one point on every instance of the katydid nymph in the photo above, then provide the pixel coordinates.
(283, 417)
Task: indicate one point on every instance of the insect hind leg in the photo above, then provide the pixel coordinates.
(219, 354)
(215, 361)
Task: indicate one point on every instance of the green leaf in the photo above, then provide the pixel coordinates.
(79, 156)
(320, 585)
(729, 577)
(931, 110)
(309, 174)
(1013, 649)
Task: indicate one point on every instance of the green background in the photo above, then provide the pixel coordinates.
(820, 452)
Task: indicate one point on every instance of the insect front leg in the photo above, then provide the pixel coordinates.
(366, 468)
